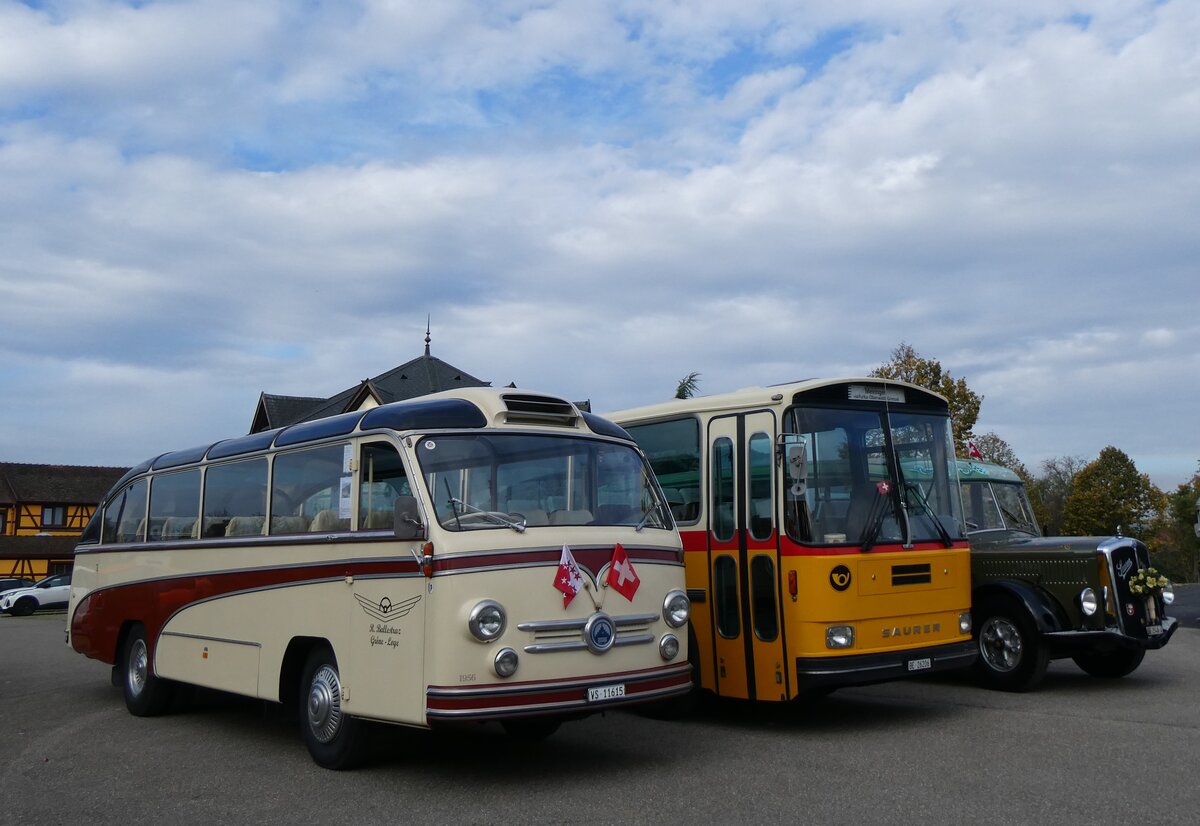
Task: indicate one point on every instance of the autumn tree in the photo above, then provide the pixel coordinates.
(1177, 548)
(1109, 494)
(910, 366)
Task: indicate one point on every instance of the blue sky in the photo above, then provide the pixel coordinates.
(200, 201)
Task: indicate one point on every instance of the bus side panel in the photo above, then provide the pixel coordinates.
(695, 545)
(382, 660)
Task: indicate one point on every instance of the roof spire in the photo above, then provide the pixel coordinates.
(426, 335)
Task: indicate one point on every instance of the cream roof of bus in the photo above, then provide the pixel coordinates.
(777, 395)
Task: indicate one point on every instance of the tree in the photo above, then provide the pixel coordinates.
(687, 386)
(910, 366)
(1176, 549)
(1109, 495)
(1053, 488)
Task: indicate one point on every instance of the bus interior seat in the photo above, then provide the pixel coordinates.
(328, 520)
(379, 520)
(575, 517)
(288, 524)
(179, 527)
(244, 526)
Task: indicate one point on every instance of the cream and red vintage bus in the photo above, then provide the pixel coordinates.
(475, 555)
(822, 530)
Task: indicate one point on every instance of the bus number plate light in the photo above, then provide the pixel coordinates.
(606, 692)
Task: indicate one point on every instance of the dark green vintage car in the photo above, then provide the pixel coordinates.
(1096, 600)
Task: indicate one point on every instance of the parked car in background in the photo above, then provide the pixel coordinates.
(1094, 599)
(51, 592)
(12, 583)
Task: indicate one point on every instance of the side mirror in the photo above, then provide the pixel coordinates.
(793, 449)
(407, 522)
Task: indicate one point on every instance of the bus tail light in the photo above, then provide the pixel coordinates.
(839, 636)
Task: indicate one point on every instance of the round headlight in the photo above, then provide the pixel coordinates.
(668, 647)
(676, 609)
(486, 621)
(964, 622)
(506, 662)
(1088, 602)
(1168, 594)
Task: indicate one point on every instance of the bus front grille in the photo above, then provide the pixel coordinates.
(567, 635)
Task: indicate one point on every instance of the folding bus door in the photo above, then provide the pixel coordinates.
(743, 558)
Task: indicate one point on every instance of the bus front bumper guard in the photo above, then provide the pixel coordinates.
(567, 696)
(1067, 642)
(865, 669)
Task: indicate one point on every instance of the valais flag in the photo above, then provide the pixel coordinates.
(568, 579)
(621, 575)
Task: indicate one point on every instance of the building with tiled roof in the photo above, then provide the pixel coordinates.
(419, 377)
(43, 508)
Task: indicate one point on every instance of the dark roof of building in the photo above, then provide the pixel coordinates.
(418, 377)
(38, 547)
(55, 484)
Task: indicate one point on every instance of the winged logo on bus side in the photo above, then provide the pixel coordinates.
(384, 610)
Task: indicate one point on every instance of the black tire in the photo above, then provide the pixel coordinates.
(334, 738)
(23, 607)
(145, 694)
(1011, 654)
(1110, 664)
(531, 729)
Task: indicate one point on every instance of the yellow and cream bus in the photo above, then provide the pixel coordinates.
(468, 556)
(822, 531)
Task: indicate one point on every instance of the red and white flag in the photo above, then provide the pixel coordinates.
(621, 575)
(568, 578)
(973, 450)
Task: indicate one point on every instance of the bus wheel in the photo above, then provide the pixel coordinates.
(145, 694)
(334, 738)
(1011, 656)
(531, 729)
(1110, 664)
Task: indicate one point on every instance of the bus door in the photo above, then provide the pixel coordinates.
(748, 647)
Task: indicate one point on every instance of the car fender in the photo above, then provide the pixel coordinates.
(1042, 608)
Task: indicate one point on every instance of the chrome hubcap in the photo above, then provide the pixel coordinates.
(1000, 644)
(138, 668)
(325, 704)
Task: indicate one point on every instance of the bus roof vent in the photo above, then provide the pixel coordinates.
(540, 410)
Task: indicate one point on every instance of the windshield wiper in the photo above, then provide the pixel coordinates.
(498, 518)
(653, 509)
(943, 534)
(874, 519)
(1016, 522)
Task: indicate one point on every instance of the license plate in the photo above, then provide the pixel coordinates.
(920, 665)
(1154, 630)
(606, 692)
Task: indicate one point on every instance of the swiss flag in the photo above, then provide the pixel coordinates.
(884, 487)
(973, 450)
(568, 579)
(621, 575)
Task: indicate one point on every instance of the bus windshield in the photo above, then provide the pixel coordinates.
(874, 476)
(516, 481)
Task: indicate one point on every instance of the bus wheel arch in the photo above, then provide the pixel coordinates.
(335, 739)
(1012, 656)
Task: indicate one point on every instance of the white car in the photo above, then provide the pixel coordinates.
(51, 592)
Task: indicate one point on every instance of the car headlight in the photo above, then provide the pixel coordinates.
(964, 622)
(1088, 602)
(487, 620)
(676, 609)
(839, 636)
(1168, 593)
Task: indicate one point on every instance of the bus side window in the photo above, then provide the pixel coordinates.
(174, 505)
(309, 491)
(722, 517)
(125, 516)
(235, 498)
(383, 480)
(725, 596)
